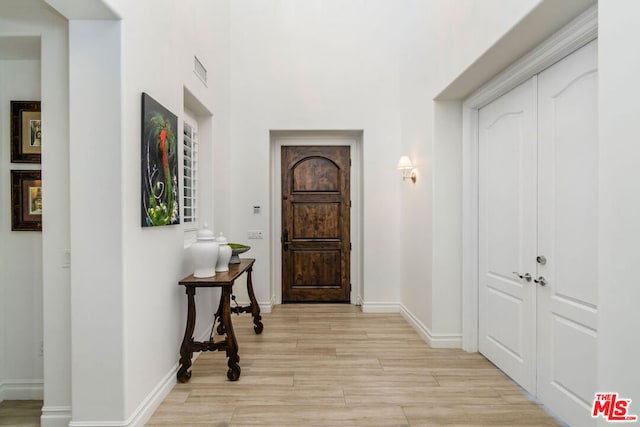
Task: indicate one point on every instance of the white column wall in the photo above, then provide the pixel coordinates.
(447, 217)
(56, 226)
(619, 205)
(97, 312)
(49, 304)
(416, 200)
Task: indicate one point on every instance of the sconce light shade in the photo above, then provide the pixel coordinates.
(405, 165)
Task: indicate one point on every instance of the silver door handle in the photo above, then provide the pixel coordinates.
(526, 276)
(541, 281)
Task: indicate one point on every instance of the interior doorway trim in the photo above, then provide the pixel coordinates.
(580, 31)
(351, 138)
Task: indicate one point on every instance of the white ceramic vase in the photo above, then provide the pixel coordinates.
(224, 254)
(204, 253)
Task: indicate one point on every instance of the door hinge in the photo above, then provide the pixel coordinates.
(350, 246)
(349, 287)
(350, 203)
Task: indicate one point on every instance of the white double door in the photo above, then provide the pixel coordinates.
(538, 196)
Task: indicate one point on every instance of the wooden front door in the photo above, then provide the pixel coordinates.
(315, 224)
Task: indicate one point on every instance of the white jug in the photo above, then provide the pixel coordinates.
(204, 253)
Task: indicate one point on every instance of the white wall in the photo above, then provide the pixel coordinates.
(122, 298)
(376, 67)
(619, 206)
(158, 40)
(56, 224)
(96, 210)
(313, 65)
(318, 65)
(439, 40)
(20, 255)
(619, 229)
(48, 303)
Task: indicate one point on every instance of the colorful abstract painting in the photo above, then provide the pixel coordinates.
(160, 201)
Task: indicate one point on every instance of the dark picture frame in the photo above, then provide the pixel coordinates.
(160, 190)
(26, 200)
(26, 132)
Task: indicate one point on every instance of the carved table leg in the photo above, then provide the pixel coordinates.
(186, 351)
(233, 373)
(220, 328)
(255, 308)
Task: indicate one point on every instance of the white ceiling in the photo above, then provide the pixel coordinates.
(83, 9)
(28, 47)
(547, 18)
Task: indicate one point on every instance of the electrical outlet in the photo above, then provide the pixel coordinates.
(255, 234)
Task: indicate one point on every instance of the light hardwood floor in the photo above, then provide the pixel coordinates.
(23, 413)
(332, 365)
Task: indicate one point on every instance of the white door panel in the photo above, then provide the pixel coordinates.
(507, 232)
(567, 235)
(574, 347)
(538, 174)
(506, 336)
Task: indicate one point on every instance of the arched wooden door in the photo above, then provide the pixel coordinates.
(315, 224)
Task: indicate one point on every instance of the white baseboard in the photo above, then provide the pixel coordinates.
(434, 340)
(22, 390)
(380, 307)
(99, 424)
(265, 307)
(145, 410)
(55, 416)
(149, 405)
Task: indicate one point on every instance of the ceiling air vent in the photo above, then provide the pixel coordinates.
(199, 69)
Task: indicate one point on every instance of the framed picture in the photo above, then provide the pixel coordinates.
(26, 200)
(26, 132)
(160, 196)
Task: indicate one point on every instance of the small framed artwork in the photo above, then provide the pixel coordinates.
(160, 202)
(26, 132)
(26, 200)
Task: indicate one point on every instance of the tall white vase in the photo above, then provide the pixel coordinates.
(204, 253)
(224, 254)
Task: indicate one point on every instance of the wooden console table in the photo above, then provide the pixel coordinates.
(223, 315)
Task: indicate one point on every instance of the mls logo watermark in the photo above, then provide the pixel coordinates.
(612, 408)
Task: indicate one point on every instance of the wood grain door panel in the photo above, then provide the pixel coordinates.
(315, 223)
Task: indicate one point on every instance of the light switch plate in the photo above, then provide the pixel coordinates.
(255, 234)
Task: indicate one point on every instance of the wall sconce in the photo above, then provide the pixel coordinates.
(404, 164)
